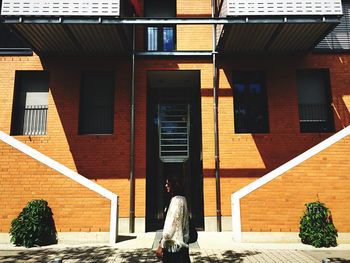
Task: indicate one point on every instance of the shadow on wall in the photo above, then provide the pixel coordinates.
(109, 254)
(284, 141)
(107, 156)
(96, 156)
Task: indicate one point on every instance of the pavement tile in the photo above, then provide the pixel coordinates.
(113, 255)
(211, 247)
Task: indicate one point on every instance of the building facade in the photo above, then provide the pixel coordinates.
(219, 93)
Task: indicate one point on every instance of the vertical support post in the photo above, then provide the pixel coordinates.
(216, 134)
(132, 140)
(113, 228)
(236, 218)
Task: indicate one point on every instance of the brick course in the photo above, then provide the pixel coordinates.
(278, 205)
(243, 157)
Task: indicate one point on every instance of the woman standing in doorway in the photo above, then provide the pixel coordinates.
(173, 246)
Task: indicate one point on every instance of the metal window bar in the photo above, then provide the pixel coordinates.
(242, 123)
(97, 120)
(35, 120)
(174, 130)
(313, 112)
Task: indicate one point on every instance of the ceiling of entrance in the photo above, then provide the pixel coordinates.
(173, 78)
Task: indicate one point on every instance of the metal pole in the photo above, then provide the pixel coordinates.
(216, 134)
(132, 141)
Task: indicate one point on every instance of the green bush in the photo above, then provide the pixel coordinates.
(316, 226)
(34, 226)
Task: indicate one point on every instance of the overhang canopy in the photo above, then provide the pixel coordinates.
(280, 37)
(276, 26)
(69, 27)
(75, 39)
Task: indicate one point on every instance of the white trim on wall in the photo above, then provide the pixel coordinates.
(235, 197)
(73, 176)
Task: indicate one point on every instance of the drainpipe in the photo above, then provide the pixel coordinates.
(216, 134)
(132, 139)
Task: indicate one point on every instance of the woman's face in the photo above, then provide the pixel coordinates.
(167, 186)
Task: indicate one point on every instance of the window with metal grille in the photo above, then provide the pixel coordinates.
(314, 101)
(250, 102)
(339, 39)
(174, 132)
(29, 115)
(96, 114)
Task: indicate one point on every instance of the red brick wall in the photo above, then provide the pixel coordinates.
(105, 159)
(188, 37)
(74, 207)
(278, 205)
(246, 157)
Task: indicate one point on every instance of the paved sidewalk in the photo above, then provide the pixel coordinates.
(211, 247)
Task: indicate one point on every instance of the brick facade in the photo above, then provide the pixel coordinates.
(243, 157)
(278, 205)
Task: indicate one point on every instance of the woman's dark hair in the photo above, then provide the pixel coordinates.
(176, 185)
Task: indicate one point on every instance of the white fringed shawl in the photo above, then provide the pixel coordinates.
(176, 226)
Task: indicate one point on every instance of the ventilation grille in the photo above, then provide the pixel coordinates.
(60, 8)
(174, 130)
(283, 7)
(339, 38)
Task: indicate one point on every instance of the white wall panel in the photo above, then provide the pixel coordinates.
(60, 8)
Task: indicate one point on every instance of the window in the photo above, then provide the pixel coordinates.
(173, 129)
(339, 38)
(97, 103)
(30, 103)
(160, 38)
(250, 102)
(314, 101)
(11, 44)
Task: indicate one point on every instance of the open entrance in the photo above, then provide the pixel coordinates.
(173, 142)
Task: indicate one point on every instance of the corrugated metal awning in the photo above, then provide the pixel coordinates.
(275, 37)
(75, 39)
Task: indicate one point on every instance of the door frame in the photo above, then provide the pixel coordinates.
(152, 154)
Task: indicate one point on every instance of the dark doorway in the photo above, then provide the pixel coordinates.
(173, 142)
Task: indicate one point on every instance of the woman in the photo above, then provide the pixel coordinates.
(173, 246)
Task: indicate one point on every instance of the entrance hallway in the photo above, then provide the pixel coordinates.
(213, 247)
(173, 143)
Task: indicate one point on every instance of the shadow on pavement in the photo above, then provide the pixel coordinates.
(138, 255)
(334, 256)
(226, 256)
(339, 260)
(77, 254)
(109, 254)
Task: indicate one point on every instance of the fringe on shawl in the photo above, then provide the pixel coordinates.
(172, 245)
